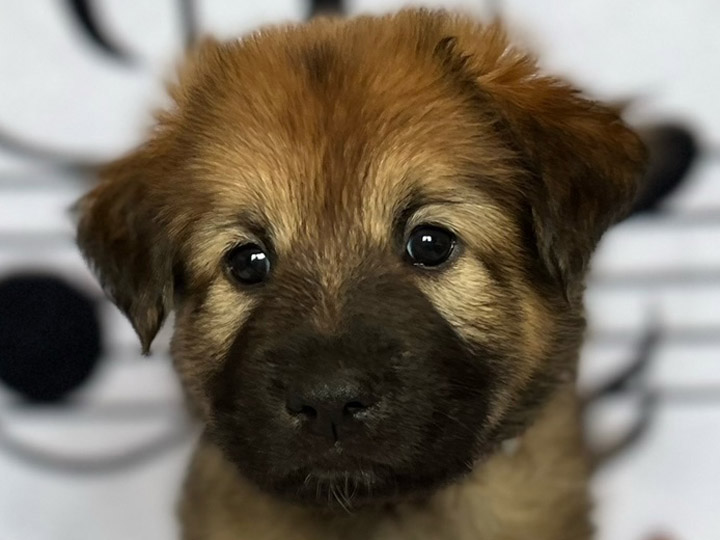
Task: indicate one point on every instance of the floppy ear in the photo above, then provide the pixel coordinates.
(121, 235)
(125, 229)
(584, 163)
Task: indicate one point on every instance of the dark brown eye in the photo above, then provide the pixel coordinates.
(429, 245)
(248, 264)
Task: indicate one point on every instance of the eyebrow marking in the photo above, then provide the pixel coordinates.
(417, 200)
(409, 206)
(253, 223)
(405, 209)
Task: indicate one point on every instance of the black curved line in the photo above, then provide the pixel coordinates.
(117, 462)
(636, 369)
(673, 151)
(621, 383)
(49, 156)
(648, 406)
(83, 12)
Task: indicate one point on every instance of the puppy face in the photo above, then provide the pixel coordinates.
(373, 233)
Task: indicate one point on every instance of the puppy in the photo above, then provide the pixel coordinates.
(373, 234)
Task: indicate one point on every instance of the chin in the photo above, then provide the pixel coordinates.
(348, 490)
(363, 484)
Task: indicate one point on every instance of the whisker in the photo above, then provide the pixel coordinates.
(318, 489)
(338, 497)
(457, 422)
(346, 489)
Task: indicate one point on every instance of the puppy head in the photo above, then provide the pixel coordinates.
(374, 235)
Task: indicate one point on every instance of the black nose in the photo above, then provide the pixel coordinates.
(332, 412)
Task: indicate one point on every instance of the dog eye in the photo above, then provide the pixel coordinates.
(429, 245)
(248, 264)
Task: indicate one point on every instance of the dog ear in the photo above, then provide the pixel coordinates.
(122, 236)
(584, 163)
(126, 230)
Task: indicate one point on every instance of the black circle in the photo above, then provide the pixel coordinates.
(248, 264)
(429, 246)
(49, 336)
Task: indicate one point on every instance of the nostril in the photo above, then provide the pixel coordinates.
(308, 412)
(354, 407)
(330, 415)
(297, 406)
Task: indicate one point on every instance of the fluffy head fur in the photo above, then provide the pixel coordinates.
(327, 143)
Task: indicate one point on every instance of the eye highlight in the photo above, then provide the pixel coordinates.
(429, 246)
(248, 264)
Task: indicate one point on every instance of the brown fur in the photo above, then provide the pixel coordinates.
(324, 137)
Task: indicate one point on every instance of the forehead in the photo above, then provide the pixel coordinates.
(333, 127)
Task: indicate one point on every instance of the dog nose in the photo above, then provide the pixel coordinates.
(332, 413)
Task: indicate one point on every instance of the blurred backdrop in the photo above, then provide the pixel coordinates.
(103, 453)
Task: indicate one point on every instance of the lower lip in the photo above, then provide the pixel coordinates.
(367, 475)
(336, 490)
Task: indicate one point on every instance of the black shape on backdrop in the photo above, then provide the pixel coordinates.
(318, 7)
(188, 21)
(85, 15)
(631, 380)
(49, 336)
(672, 151)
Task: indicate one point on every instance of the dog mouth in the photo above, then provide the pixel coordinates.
(364, 483)
(345, 488)
(340, 488)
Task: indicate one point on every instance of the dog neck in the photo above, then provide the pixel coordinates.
(535, 486)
